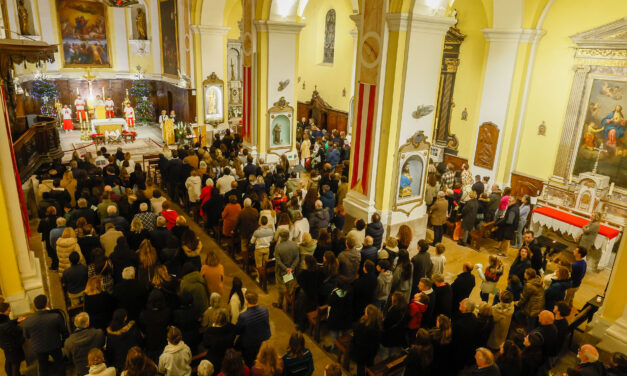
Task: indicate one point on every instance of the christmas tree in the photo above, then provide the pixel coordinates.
(47, 92)
(144, 110)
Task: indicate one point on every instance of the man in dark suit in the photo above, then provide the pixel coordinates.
(463, 284)
(130, 293)
(83, 211)
(443, 296)
(173, 175)
(253, 327)
(46, 329)
(465, 334)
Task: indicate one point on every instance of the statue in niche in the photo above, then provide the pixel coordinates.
(276, 132)
(406, 180)
(232, 69)
(140, 24)
(23, 18)
(211, 99)
(329, 37)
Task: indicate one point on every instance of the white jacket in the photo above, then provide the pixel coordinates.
(101, 370)
(193, 185)
(175, 360)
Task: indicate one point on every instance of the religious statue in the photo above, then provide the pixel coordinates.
(614, 124)
(140, 24)
(276, 131)
(23, 18)
(406, 180)
(232, 71)
(211, 99)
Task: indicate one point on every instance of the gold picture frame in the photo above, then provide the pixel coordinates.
(176, 39)
(213, 87)
(418, 149)
(281, 114)
(81, 5)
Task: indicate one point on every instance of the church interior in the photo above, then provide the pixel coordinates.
(269, 143)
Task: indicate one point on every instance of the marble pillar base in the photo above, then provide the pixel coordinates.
(613, 335)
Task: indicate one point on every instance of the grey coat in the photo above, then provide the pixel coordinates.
(589, 234)
(78, 345)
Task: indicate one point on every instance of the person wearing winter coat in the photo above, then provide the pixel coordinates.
(11, 341)
(557, 290)
(79, 343)
(395, 324)
(67, 244)
(176, 357)
(193, 185)
(469, 216)
(384, 284)
(121, 336)
(375, 229)
(349, 260)
(154, 321)
(507, 224)
(490, 277)
(97, 365)
(502, 315)
(194, 284)
(423, 267)
(531, 300)
(521, 263)
(319, 219)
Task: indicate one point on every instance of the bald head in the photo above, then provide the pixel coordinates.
(468, 266)
(546, 317)
(368, 241)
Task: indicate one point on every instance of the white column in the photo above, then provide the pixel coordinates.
(28, 264)
(121, 40)
(497, 87)
(155, 37)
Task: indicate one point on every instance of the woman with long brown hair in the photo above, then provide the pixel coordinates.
(298, 360)
(138, 364)
(268, 362)
(213, 272)
(404, 236)
(366, 338)
(147, 255)
(441, 337)
(163, 281)
(97, 303)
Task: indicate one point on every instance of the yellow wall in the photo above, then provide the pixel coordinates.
(331, 79)
(9, 273)
(470, 74)
(552, 78)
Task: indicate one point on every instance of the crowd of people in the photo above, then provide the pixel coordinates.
(153, 298)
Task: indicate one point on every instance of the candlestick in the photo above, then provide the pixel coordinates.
(570, 179)
(611, 189)
(77, 92)
(103, 93)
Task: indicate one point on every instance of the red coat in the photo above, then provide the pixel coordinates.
(170, 216)
(416, 309)
(229, 218)
(205, 195)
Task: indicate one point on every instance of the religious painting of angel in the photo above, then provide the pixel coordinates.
(83, 30)
(603, 132)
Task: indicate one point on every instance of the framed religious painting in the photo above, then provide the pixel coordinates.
(602, 145)
(412, 162)
(83, 34)
(169, 37)
(213, 99)
(280, 121)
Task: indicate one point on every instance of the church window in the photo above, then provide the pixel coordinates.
(329, 37)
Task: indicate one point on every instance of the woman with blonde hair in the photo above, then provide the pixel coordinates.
(97, 303)
(307, 247)
(69, 183)
(268, 362)
(96, 363)
(163, 281)
(137, 234)
(213, 272)
(147, 255)
(67, 244)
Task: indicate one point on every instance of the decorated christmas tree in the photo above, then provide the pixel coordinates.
(144, 110)
(47, 92)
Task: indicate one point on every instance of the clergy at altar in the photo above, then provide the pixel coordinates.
(168, 131)
(162, 118)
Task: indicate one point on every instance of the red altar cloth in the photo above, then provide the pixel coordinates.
(574, 220)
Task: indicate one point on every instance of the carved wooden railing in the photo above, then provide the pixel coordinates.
(40, 144)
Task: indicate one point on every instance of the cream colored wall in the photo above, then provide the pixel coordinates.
(331, 79)
(552, 78)
(470, 74)
(232, 15)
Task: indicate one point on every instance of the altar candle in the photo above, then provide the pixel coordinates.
(77, 91)
(103, 94)
(611, 189)
(570, 179)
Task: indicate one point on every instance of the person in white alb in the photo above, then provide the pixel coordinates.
(66, 112)
(79, 104)
(162, 118)
(129, 114)
(109, 108)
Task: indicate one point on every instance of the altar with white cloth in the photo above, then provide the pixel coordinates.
(571, 224)
(108, 125)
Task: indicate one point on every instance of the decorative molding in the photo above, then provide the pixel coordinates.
(487, 144)
(357, 19)
(354, 33)
(209, 29)
(139, 47)
(431, 24)
(397, 21)
(279, 27)
(612, 36)
(601, 53)
(513, 35)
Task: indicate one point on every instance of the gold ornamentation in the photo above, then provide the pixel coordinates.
(603, 53)
(23, 18)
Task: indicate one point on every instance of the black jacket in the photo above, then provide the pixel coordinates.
(375, 229)
(131, 295)
(11, 339)
(46, 330)
(469, 214)
(443, 300)
(492, 370)
(365, 343)
(462, 287)
(154, 324)
(363, 292)
(119, 342)
(395, 328)
(216, 341)
(465, 338)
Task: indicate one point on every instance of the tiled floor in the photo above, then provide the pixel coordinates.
(282, 326)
